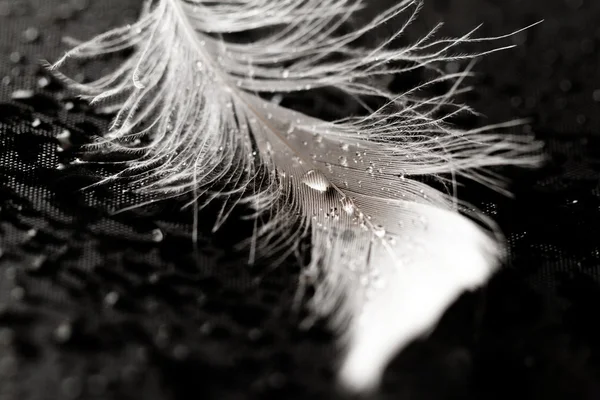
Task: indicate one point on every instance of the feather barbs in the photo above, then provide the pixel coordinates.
(392, 251)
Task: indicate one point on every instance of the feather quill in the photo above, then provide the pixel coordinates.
(389, 253)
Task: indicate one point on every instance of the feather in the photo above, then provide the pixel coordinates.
(389, 252)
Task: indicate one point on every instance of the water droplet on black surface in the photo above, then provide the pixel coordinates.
(63, 332)
(157, 235)
(31, 35)
(64, 139)
(64, 12)
(111, 299)
(22, 94)
(16, 57)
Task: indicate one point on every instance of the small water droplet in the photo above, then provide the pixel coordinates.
(316, 180)
(31, 34)
(347, 205)
(111, 299)
(343, 161)
(36, 122)
(64, 139)
(285, 73)
(379, 231)
(157, 235)
(370, 170)
(15, 57)
(63, 332)
(345, 146)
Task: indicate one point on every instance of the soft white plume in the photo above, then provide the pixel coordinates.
(389, 253)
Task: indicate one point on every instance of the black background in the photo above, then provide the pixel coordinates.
(94, 305)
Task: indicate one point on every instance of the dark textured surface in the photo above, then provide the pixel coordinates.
(94, 305)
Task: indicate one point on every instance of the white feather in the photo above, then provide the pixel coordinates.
(389, 253)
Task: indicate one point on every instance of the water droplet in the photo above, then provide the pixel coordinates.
(316, 180)
(31, 34)
(64, 139)
(63, 332)
(379, 231)
(347, 205)
(343, 161)
(22, 94)
(111, 299)
(345, 146)
(157, 235)
(36, 122)
(285, 73)
(36, 262)
(15, 57)
(370, 170)
(43, 82)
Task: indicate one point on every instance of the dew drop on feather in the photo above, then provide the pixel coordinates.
(379, 231)
(316, 180)
(347, 205)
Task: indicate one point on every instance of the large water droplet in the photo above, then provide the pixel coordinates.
(316, 180)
